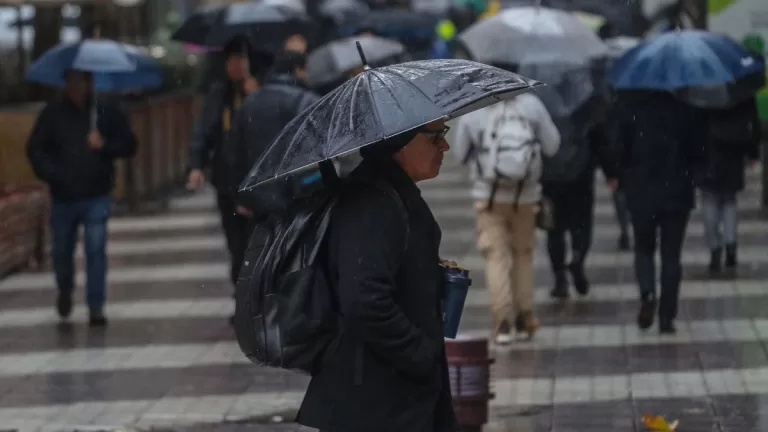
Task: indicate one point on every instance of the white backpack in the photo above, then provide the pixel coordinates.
(510, 151)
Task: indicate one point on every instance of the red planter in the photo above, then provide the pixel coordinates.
(23, 226)
(469, 372)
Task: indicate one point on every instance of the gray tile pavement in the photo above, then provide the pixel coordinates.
(168, 359)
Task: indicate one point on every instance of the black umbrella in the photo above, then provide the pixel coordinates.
(338, 9)
(398, 23)
(263, 23)
(195, 28)
(379, 104)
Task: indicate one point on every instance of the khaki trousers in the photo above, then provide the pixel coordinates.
(506, 237)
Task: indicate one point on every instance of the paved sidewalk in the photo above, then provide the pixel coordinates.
(169, 359)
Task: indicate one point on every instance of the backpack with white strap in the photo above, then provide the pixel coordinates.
(509, 153)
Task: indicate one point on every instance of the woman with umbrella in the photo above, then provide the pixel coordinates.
(383, 365)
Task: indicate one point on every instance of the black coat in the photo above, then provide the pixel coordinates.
(659, 143)
(261, 117)
(387, 371)
(723, 168)
(208, 133)
(60, 156)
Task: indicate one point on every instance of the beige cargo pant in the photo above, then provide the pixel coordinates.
(506, 236)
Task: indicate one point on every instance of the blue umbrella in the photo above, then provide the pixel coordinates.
(115, 66)
(683, 59)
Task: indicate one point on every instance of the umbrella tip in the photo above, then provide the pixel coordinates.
(362, 55)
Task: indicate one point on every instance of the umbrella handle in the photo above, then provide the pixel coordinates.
(362, 55)
(94, 114)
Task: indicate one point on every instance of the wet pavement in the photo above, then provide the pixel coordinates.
(169, 361)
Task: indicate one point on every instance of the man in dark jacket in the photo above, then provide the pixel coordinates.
(264, 113)
(661, 143)
(77, 162)
(388, 371)
(210, 129)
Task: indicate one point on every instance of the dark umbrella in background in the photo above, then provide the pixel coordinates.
(338, 10)
(197, 26)
(332, 61)
(702, 68)
(398, 24)
(379, 104)
(264, 24)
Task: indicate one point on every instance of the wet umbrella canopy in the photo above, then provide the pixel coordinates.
(703, 68)
(549, 45)
(381, 103)
(525, 35)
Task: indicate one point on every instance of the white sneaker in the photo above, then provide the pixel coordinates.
(503, 339)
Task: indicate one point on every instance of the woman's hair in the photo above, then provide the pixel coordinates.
(286, 62)
(259, 62)
(388, 147)
(237, 46)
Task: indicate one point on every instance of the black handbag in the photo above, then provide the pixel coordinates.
(545, 217)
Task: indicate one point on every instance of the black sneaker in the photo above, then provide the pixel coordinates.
(624, 244)
(64, 304)
(730, 257)
(580, 281)
(667, 326)
(97, 319)
(715, 261)
(560, 290)
(647, 313)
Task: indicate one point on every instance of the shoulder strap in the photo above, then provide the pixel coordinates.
(392, 193)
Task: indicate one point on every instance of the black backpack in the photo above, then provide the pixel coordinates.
(734, 131)
(286, 311)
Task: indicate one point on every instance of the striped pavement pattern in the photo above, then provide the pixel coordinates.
(169, 357)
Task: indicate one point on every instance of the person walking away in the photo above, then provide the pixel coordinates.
(387, 370)
(211, 127)
(569, 183)
(734, 138)
(262, 116)
(600, 140)
(662, 142)
(77, 162)
(503, 146)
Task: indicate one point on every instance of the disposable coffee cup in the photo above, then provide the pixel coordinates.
(456, 283)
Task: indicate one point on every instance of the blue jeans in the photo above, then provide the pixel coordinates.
(720, 208)
(66, 218)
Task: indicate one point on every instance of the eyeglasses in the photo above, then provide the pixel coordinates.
(438, 135)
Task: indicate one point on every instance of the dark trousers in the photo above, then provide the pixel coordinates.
(670, 227)
(622, 213)
(236, 230)
(66, 218)
(573, 206)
